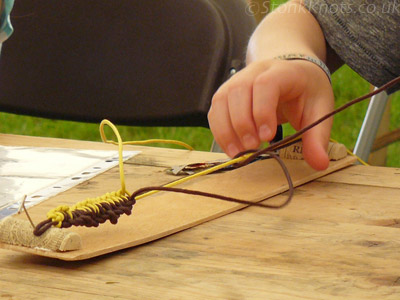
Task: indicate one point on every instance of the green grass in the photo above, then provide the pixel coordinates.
(199, 138)
(347, 85)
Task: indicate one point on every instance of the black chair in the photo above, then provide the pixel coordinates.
(142, 63)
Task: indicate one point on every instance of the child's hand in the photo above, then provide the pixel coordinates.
(247, 108)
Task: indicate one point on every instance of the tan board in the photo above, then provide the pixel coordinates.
(163, 214)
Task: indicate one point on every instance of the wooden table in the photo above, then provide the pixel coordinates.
(338, 239)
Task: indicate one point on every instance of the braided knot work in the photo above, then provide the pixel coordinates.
(90, 212)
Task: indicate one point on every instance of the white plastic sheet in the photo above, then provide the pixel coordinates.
(41, 173)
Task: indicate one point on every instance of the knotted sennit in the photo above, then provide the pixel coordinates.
(89, 213)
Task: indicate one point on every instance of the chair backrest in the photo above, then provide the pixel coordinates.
(134, 62)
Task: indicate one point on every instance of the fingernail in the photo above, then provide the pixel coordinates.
(264, 132)
(232, 150)
(249, 141)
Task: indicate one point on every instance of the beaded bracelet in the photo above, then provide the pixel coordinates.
(316, 61)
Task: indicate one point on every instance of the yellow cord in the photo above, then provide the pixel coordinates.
(204, 172)
(352, 154)
(92, 204)
(145, 142)
(120, 150)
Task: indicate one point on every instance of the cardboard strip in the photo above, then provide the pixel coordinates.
(163, 214)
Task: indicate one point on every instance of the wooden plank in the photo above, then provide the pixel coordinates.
(166, 213)
(342, 204)
(32, 289)
(302, 259)
(371, 176)
(334, 241)
(252, 254)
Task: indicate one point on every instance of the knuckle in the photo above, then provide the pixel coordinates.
(262, 79)
(236, 86)
(219, 97)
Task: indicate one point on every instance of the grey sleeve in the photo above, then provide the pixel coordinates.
(364, 33)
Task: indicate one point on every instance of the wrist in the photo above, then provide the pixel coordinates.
(311, 59)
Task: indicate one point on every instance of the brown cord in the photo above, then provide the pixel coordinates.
(112, 212)
(225, 198)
